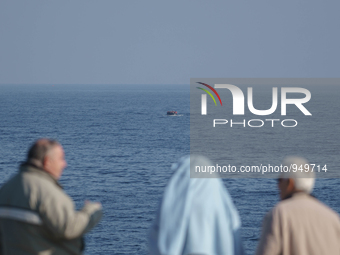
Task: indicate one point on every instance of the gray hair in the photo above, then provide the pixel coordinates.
(304, 178)
(40, 149)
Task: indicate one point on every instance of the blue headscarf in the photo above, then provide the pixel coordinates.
(196, 216)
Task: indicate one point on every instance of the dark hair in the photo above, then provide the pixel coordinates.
(40, 148)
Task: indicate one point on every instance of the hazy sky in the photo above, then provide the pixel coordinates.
(165, 42)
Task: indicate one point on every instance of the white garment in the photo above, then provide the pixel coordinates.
(196, 216)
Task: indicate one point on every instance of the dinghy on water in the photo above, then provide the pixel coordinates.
(171, 113)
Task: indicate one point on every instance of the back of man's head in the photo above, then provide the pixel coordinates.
(39, 150)
(304, 177)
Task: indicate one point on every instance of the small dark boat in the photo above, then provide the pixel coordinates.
(171, 113)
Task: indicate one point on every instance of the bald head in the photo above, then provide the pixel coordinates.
(49, 155)
(302, 180)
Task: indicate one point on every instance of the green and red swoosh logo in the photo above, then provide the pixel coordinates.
(208, 92)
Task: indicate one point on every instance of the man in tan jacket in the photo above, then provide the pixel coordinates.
(36, 215)
(299, 224)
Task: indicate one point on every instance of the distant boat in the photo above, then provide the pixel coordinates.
(171, 113)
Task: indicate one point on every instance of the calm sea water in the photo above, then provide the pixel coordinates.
(119, 146)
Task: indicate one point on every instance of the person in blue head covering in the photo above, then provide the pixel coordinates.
(196, 216)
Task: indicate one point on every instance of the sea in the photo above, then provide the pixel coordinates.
(119, 146)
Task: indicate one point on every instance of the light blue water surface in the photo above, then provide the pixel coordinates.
(119, 146)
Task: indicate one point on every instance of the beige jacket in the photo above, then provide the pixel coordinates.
(300, 225)
(41, 218)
